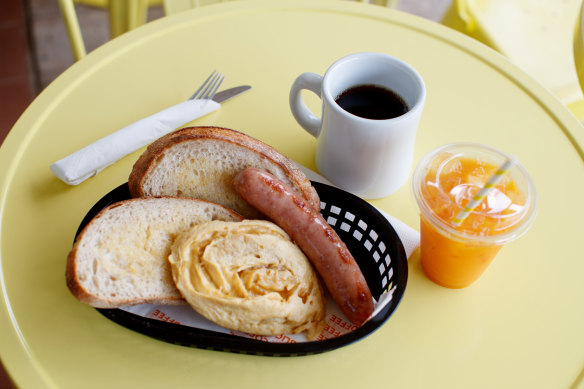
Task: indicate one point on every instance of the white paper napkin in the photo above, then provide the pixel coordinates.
(337, 324)
(90, 160)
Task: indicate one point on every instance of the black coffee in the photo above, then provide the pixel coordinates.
(372, 102)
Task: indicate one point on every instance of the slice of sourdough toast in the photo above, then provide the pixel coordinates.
(201, 162)
(121, 255)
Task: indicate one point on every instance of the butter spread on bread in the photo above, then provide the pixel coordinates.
(201, 162)
(121, 256)
(248, 276)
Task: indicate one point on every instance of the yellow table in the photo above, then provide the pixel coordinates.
(521, 325)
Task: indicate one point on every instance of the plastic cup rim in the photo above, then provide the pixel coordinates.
(445, 228)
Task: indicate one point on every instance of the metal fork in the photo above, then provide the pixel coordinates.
(209, 88)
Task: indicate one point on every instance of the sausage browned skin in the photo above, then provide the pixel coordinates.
(319, 241)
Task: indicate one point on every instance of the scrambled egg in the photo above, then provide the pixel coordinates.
(248, 276)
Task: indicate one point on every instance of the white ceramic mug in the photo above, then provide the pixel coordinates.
(368, 157)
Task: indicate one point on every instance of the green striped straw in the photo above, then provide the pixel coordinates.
(476, 200)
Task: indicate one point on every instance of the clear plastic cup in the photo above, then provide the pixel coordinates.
(443, 182)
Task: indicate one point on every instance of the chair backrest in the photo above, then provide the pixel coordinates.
(535, 35)
(124, 15)
(73, 28)
(172, 7)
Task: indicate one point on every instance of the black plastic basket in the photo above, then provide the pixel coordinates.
(367, 233)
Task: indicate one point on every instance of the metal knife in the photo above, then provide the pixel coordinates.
(227, 94)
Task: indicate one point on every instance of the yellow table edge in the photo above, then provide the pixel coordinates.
(14, 352)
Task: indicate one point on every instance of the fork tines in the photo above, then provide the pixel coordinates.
(209, 88)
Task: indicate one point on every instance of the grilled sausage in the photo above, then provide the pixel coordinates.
(319, 241)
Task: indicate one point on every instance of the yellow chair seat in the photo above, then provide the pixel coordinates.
(536, 35)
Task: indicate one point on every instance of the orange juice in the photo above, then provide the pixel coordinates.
(444, 182)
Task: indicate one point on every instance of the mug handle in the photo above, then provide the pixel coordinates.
(310, 122)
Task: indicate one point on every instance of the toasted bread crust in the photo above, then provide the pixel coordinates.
(155, 151)
(75, 285)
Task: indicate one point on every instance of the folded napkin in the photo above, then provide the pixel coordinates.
(186, 316)
(92, 159)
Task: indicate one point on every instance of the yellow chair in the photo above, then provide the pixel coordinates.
(172, 7)
(579, 47)
(535, 35)
(124, 15)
